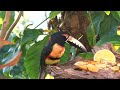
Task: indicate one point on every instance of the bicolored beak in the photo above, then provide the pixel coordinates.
(74, 42)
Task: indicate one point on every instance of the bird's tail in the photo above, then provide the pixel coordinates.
(42, 73)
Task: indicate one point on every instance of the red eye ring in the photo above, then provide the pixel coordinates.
(66, 35)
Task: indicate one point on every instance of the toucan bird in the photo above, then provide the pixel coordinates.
(54, 49)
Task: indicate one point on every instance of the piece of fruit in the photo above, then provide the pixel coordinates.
(93, 62)
(48, 76)
(115, 68)
(118, 64)
(104, 55)
(100, 66)
(92, 68)
(106, 68)
(81, 65)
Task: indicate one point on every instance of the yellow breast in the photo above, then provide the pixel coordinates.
(51, 62)
(57, 52)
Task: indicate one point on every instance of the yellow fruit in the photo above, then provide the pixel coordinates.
(81, 65)
(104, 55)
(94, 62)
(118, 32)
(118, 64)
(48, 76)
(115, 68)
(92, 68)
(116, 47)
(101, 66)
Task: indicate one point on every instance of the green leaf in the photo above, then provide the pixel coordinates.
(30, 35)
(118, 12)
(116, 15)
(6, 72)
(2, 16)
(65, 56)
(88, 55)
(107, 12)
(108, 26)
(1, 21)
(32, 58)
(108, 29)
(53, 14)
(91, 36)
(94, 27)
(73, 52)
(118, 50)
(18, 71)
(107, 38)
(3, 51)
(11, 52)
(12, 17)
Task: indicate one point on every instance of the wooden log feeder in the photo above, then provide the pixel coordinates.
(69, 70)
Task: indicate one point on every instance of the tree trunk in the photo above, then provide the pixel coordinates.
(75, 23)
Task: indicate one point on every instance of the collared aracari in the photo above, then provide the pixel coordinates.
(54, 50)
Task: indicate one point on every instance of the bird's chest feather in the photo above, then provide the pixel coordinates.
(57, 51)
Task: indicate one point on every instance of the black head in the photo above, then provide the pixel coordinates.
(59, 38)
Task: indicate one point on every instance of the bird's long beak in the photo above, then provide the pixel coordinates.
(74, 42)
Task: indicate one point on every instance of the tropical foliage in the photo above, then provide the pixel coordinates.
(25, 47)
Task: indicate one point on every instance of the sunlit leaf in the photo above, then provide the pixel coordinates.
(4, 42)
(32, 58)
(118, 32)
(47, 30)
(48, 76)
(12, 62)
(1, 20)
(116, 47)
(118, 50)
(53, 14)
(107, 12)
(2, 15)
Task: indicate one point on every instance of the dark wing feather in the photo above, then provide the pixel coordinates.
(45, 52)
